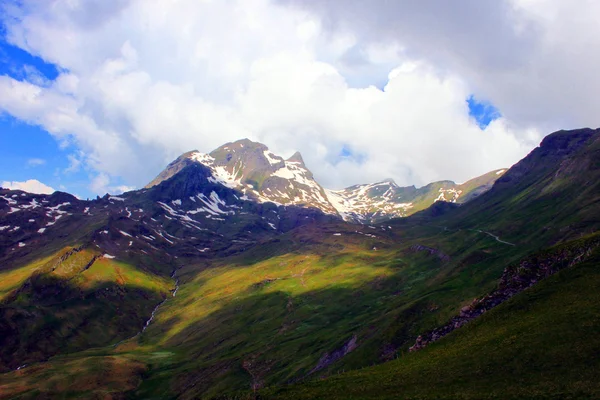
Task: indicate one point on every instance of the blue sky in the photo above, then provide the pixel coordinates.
(483, 112)
(28, 151)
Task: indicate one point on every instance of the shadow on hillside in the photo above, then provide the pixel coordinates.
(47, 316)
(269, 337)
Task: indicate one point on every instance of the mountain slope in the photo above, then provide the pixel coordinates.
(551, 195)
(265, 295)
(541, 344)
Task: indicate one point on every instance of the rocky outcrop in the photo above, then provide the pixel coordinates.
(329, 358)
(434, 252)
(515, 279)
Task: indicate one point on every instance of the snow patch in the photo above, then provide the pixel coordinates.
(108, 256)
(272, 158)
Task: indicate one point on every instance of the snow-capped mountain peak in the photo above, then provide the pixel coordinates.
(260, 175)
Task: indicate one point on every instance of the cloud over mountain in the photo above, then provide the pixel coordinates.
(30, 185)
(363, 99)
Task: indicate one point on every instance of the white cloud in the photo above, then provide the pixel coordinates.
(142, 82)
(533, 59)
(101, 184)
(30, 185)
(36, 162)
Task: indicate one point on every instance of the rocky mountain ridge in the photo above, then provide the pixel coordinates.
(262, 176)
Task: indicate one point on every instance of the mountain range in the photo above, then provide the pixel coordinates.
(259, 175)
(235, 274)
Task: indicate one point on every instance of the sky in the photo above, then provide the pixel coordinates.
(98, 96)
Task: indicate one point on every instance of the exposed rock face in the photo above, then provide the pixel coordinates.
(261, 176)
(329, 358)
(257, 174)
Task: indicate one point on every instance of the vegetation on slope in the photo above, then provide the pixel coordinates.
(543, 343)
(71, 301)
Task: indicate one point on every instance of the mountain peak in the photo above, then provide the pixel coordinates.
(241, 144)
(296, 157)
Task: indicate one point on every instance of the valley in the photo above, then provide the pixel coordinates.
(236, 275)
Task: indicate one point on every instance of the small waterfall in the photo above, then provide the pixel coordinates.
(152, 316)
(153, 311)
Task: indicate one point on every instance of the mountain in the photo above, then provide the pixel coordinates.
(195, 288)
(259, 175)
(380, 201)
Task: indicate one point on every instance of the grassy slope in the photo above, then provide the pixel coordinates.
(268, 315)
(57, 305)
(543, 343)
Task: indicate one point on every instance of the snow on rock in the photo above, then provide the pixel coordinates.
(116, 198)
(9, 200)
(213, 204)
(33, 204)
(125, 234)
(56, 208)
(310, 193)
(360, 203)
(272, 158)
(41, 230)
(55, 219)
(4, 227)
(108, 256)
(449, 195)
(21, 244)
(219, 173)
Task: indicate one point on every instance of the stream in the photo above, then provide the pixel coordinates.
(159, 304)
(149, 321)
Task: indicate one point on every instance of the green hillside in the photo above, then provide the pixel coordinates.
(322, 310)
(543, 343)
